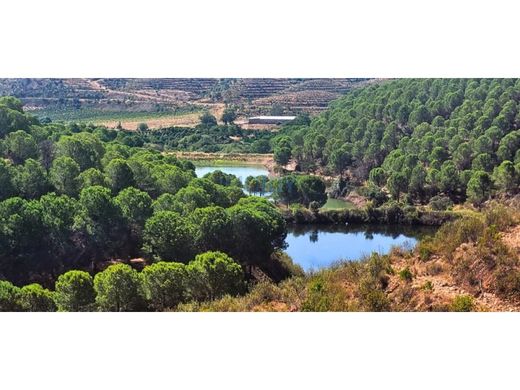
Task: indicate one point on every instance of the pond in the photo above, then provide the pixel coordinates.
(240, 171)
(318, 246)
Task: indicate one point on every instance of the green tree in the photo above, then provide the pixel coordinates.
(84, 148)
(118, 288)
(21, 146)
(417, 185)
(208, 120)
(229, 115)
(135, 205)
(100, 221)
(30, 179)
(449, 178)
(214, 274)
(285, 189)
(64, 176)
(506, 178)
(282, 155)
(74, 291)
(6, 182)
(92, 177)
(212, 229)
(142, 127)
(169, 178)
(119, 175)
(164, 284)
(256, 185)
(167, 236)
(34, 297)
(378, 176)
(479, 187)
(311, 189)
(397, 183)
(9, 297)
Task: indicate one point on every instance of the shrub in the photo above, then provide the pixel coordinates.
(372, 298)
(499, 215)
(314, 206)
(406, 275)
(462, 303)
(452, 234)
(425, 248)
(324, 296)
(427, 286)
(440, 203)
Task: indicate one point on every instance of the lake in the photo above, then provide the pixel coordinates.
(318, 246)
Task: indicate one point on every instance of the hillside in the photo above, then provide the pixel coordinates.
(471, 264)
(159, 94)
(455, 138)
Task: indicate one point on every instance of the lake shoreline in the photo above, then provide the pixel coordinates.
(376, 216)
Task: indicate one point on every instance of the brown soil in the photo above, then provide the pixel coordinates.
(442, 275)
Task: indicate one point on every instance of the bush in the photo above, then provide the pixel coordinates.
(440, 203)
(462, 303)
(314, 206)
(426, 248)
(406, 275)
(324, 296)
(499, 215)
(452, 234)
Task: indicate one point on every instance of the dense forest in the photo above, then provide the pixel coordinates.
(449, 140)
(73, 197)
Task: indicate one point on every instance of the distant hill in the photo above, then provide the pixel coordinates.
(257, 95)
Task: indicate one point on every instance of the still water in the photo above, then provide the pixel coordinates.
(318, 246)
(242, 172)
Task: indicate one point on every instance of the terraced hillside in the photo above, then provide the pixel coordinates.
(254, 95)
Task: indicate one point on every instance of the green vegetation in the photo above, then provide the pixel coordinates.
(73, 196)
(302, 189)
(160, 286)
(208, 137)
(462, 303)
(336, 204)
(417, 139)
(384, 283)
(90, 115)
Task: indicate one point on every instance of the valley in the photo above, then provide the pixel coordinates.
(345, 195)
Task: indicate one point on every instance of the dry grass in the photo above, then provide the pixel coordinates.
(190, 119)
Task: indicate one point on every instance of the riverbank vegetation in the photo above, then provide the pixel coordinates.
(471, 264)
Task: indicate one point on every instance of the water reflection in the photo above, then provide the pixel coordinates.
(318, 246)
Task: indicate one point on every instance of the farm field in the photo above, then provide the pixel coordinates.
(188, 116)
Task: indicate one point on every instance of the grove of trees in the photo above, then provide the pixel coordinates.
(417, 138)
(74, 196)
(159, 286)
